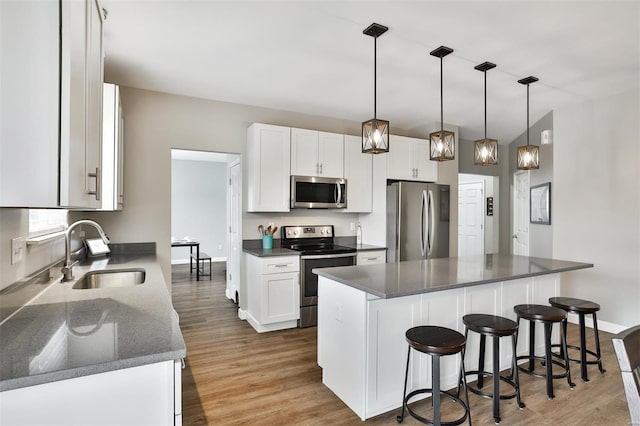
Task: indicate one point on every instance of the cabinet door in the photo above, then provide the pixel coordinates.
(304, 152)
(29, 103)
(331, 154)
(112, 144)
(358, 170)
(426, 170)
(399, 164)
(268, 162)
(280, 297)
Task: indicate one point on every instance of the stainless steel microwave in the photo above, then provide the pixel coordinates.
(309, 192)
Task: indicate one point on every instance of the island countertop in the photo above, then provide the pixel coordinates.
(66, 333)
(423, 276)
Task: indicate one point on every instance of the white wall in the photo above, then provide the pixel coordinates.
(199, 206)
(596, 203)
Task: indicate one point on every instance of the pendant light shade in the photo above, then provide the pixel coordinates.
(528, 155)
(486, 150)
(375, 132)
(442, 144)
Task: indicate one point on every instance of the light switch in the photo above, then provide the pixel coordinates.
(17, 250)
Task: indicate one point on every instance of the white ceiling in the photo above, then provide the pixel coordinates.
(311, 56)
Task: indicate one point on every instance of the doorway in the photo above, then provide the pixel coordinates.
(478, 214)
(206, 208)
(520, 237)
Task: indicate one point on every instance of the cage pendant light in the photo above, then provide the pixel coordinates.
(486, 150)
(528, 155)
(442, 144)
(375, 132)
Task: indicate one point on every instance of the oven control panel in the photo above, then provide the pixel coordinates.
(307, 231)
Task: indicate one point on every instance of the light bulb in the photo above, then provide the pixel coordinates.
(440, 145)
(527, 158)
(376, 136)
(484, 153)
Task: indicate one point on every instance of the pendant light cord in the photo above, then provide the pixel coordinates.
(527, 115)
(441, 104)
(375, 76)
(485, 106)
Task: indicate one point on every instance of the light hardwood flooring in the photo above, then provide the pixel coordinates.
(236, 376)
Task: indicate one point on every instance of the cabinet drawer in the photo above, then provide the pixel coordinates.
(279, 265)
(371, 257)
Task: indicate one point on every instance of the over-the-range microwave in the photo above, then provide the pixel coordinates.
(310, 192)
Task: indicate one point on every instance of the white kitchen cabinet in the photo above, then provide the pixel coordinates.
(268, 162)
(144, 395)
(316, 153)
(273, 287)
(112, 149)
(358, 171)
(372, 257)
(51, 112)
(408, 159)
(81, 104)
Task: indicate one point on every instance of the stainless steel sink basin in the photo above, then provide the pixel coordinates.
(110, 278)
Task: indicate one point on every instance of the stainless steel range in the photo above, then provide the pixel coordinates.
(317, 250)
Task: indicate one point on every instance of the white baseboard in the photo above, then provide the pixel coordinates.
(609, 327)
(261, 328)
(186, 261)
(242, 314)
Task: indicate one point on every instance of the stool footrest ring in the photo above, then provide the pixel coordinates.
(477, 391)
(430, 421)
(597, 360)
(542, 359)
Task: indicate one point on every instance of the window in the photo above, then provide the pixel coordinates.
(42, 222)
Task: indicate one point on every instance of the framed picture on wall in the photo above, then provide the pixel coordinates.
(541, 204)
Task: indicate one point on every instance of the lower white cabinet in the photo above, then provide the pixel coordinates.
(145, 395)
(371, 257)
(273, 287)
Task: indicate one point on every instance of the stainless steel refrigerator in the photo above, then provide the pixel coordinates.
(417, 220)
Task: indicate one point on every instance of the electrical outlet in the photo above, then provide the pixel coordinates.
(338, 311)
(17, 250)
(352, 226)
(219, 246)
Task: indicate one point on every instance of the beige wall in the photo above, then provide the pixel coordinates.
(596, 203)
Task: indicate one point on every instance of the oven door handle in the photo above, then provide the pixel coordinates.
(328, 256)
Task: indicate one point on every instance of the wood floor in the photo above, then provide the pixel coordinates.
(236, 376)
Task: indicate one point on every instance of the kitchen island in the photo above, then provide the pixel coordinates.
(364, 312)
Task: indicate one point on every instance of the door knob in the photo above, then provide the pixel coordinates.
(515, 236)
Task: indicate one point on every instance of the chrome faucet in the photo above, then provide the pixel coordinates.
(67, 271)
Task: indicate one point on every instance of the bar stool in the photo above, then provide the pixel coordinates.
(582, 308)
(495, 327)
(547, 315)
(437, 342)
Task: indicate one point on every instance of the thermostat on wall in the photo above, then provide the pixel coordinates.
(546, 137)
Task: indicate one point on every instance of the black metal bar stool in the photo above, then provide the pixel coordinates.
(581, 308)
(547, 315)
(437, 342)
(495, 327)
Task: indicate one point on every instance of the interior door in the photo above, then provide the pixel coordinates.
(520, 235)
(234, 220)
(470, 219)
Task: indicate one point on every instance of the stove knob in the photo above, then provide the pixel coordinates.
(295, 232)
(322, 232)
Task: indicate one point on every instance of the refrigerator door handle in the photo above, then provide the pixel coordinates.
(423, 211)
(432, 221)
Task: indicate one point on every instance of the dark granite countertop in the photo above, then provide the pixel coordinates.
(423, 276)
(66, 333)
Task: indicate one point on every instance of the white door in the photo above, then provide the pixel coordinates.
(234, 220)
(521, 214)
(470, 219)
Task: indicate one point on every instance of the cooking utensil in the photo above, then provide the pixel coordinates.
(261, 229)
(273, 231)
(269, 230)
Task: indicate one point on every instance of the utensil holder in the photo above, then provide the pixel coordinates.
(267, 241)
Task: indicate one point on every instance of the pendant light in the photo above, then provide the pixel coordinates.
(442, 143)
(486, 150)
(375, 132)
(528, 156)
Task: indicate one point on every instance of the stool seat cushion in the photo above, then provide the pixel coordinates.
(490, 324)
(435, 340)
(574, 305)
(540, 313)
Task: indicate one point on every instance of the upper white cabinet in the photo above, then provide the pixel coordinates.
(316, 153)
(408, 159)
(50, 103)
(112, 149)
(268, 161)
(358, 170)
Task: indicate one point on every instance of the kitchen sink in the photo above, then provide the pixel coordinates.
(111, 278)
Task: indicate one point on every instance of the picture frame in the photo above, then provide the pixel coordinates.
(540, 204)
